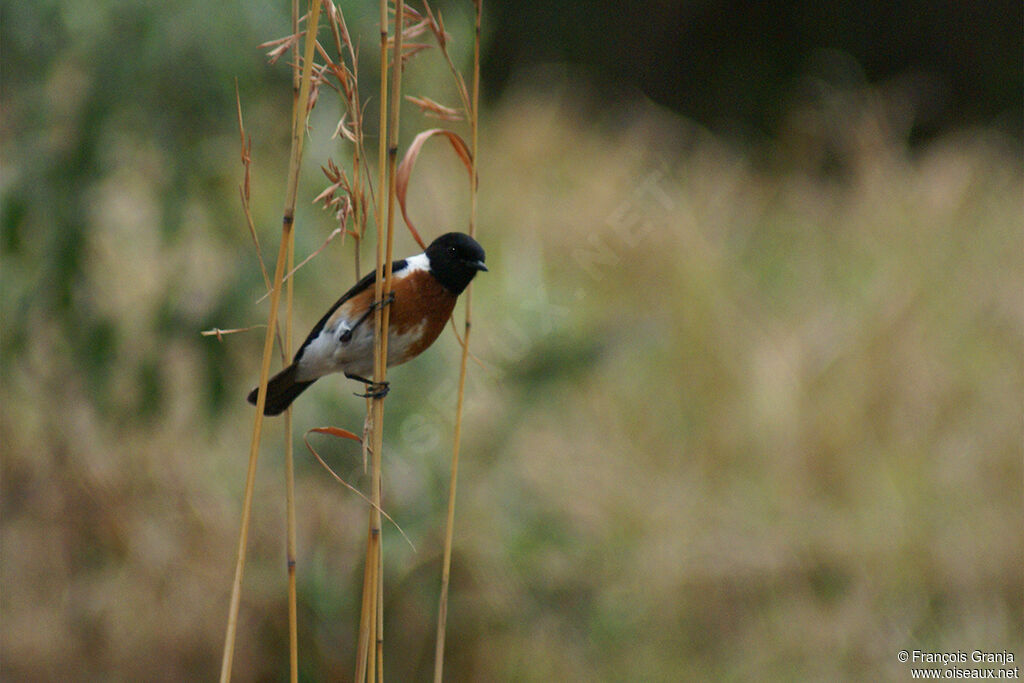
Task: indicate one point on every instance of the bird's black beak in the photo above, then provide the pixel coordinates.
(478, 265)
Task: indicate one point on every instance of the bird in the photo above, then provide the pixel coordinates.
(424, 289)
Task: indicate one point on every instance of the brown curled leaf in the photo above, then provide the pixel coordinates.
(404, 172)
(336, 431)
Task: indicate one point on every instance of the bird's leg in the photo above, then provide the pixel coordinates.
(382, 303)
(373, 389)
(347, 336)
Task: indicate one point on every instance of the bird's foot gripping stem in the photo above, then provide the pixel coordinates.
(373, 389)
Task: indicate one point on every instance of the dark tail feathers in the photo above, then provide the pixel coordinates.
(282, 389)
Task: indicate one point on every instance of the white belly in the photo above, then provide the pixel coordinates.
(327, 353)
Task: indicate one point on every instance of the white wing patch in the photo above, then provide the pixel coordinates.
(417, 262)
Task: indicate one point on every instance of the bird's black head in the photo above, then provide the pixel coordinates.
(454, 259)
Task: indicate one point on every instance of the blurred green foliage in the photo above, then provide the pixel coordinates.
(96, 92)
(740, 413)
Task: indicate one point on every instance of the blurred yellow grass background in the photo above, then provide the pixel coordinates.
(736, 417)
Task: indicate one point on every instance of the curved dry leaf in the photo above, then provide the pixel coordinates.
(345, 434)
(336, 431)
(404, 172)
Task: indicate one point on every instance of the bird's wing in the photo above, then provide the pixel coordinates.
(365, 282)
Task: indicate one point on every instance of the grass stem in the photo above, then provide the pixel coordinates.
(369, 656)
(289, 450)
(287, 227)
(473, 116)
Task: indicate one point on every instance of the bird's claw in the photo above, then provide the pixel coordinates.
(376, 390)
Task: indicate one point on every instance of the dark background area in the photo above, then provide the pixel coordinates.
(735, 65)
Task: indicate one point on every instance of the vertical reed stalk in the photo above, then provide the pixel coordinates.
(287, 226)
(289, 454)
(442, 611)
(369, 657)
(289, 480)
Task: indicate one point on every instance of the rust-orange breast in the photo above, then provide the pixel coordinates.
(421, 306)
(420, 301)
